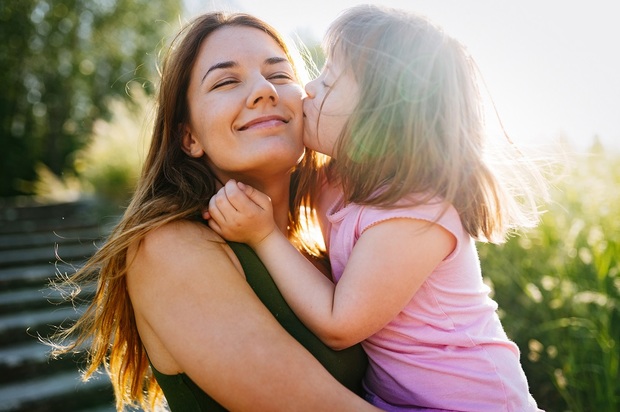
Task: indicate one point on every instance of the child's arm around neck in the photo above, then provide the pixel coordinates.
(388, 264)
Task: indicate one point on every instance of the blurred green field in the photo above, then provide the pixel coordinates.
(558, 289)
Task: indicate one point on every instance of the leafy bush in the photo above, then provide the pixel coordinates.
(109, 165)
(62, 62)
(558, 288)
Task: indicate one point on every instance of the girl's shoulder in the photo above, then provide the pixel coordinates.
(414, 206)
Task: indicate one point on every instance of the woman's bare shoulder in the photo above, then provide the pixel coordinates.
(179, 244)
(175, 278)
(182, 231)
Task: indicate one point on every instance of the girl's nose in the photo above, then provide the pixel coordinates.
(262, 91)
(311, 88)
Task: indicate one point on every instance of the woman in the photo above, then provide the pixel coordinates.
(171, 293)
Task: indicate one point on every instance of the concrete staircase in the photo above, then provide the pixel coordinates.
(31, 240)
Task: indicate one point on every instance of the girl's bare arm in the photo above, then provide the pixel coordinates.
(388, 264)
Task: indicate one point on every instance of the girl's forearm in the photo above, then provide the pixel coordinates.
(309, 293)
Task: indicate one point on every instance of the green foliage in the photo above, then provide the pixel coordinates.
(62, 62)
(109, 165)
(558, 288)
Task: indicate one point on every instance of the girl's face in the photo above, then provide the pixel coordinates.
(331, 99)
(245, 106)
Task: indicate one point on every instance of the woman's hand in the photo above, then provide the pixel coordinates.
(240, 213)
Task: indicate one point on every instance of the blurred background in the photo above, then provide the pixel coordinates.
(77, 83)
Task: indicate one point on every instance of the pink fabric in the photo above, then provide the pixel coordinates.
(447, 349)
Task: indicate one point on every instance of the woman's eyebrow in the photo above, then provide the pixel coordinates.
(221, 65)
(276, 60)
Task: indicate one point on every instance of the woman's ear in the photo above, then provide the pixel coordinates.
(190, 144)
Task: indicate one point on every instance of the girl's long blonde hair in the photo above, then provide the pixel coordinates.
(418, 126)
(172, 186)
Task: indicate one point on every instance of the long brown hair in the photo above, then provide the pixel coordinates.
(418, 125)
(172, 186)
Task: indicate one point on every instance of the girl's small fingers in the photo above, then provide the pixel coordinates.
(256, 196)
(211, 204)
(222, 201)
(237, 198)
(214, 211)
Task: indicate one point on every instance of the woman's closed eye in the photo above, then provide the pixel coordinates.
(224, 82)
(281, 76)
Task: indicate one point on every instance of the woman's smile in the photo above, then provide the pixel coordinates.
(264, 122)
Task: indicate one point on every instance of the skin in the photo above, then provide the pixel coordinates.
(206, 321)
(325, 117)
(383, 262)
(253, 122)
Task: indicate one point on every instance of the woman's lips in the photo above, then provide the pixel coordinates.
(264, 122)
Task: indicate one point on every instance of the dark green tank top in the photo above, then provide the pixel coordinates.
(347, 366)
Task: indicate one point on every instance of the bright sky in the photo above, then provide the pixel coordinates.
(551, 66)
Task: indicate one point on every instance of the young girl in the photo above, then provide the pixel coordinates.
(402, 200)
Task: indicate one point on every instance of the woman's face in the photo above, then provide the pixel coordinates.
(330, 100)
(245, 106)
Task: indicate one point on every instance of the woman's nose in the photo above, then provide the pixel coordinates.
(263, 91)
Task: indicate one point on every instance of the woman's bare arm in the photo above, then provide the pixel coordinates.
(196, 314)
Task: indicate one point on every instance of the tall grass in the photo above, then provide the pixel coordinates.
(558, 288)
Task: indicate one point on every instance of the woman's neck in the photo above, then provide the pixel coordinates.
(278, 190)
(279, 193)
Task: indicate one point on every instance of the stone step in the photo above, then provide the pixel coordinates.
(14, 301)
(46, 254)
(26, 353)
(31, 360)
(60, 392)
(43, 225)
(79, 235)
(28, 326)
(38, 297)
(52, 217)
(36, 275)
(28, 209)
(37, 243)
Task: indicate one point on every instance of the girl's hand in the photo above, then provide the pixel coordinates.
(240, 213)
